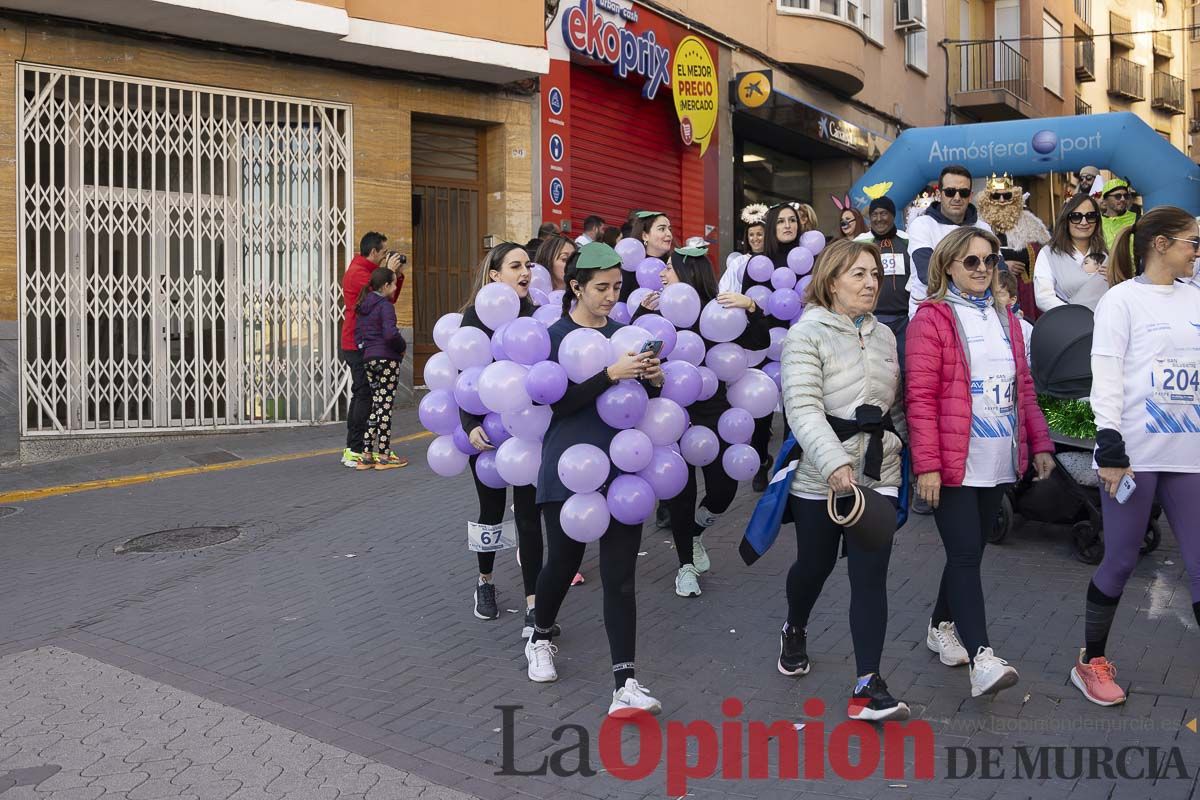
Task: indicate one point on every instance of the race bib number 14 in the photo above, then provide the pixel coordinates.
(1175, 381)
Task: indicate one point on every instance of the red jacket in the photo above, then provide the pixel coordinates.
(938, 396)
(358, 275)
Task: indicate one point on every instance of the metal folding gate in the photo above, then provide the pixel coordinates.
(179, 251)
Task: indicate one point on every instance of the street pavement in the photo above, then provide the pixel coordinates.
(329, 650)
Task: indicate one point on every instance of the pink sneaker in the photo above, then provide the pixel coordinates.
(1097, 680)
(578, 579)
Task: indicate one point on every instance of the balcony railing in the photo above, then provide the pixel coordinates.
(1162, 44)
(1126, 79)
(1121, 29)
(993, 65)
(1083, 10)
(1081, 107)
(1167, 93)
(1085, 60)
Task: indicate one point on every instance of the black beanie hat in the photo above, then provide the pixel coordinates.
(885, 203)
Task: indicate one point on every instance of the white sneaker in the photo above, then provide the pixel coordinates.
(990, 674)
(541, 661)
(944, 641)
(700, 555)
(633, 696)
(686, 581)
(351, 459)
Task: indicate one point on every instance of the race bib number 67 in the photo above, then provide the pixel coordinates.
(490, 538)
(1175, 381)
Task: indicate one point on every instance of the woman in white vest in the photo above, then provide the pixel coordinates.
(1059, 276)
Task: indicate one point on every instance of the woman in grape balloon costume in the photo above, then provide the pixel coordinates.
(576, 471)
(652, 230)
(688, 285)
(553, 253)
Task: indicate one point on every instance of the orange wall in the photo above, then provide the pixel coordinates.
(511, 21)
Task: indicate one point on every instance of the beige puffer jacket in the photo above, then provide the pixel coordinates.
(832, 367)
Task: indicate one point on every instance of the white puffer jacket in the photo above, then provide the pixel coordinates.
(831, 367)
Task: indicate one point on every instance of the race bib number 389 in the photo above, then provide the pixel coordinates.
(1175, 381)
(490, 538)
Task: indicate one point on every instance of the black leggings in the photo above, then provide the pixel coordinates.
(818, 540)
(618, 569)
(719, 491)
(529, 527)
(964, 516)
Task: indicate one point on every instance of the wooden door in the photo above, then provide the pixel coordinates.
(449, 196)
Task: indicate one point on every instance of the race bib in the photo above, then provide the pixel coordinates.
(893, 263)
(490, 538)
(996, 392)
(1175, 382)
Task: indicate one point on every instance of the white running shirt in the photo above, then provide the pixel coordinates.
(993, 398)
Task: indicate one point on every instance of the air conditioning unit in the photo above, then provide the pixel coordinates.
(910, 15)
(1194, 126)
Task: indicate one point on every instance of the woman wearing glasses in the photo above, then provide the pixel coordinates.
(1145, 394)
(851, 224)
(1060, 276)
(973, 421)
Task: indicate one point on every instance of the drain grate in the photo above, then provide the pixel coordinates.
(176, 539)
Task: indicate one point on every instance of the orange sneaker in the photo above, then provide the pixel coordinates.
(366, 462)
(390, 460)
(1097, 680)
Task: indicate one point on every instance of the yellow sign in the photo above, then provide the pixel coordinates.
(694, 85)
(754, 89)
(1191, 726)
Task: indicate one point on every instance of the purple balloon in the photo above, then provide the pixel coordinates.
(636, 298)
(631, 500)
(620, 313)
(759, 268)
(622, 406)
(485, 470)
(772, 370)
(735, 426)
(526, 341)
(498, 353)
(502, 386)
(469, 347)
(438, 412)
(802, 286)
(583, 468)
(682, 382)
(444, 329)
(584, 352)
(755, 392)
(775, 349)
(689, 347)
(800, 259)
(783, 278)
(496, 304)
(584, 517)
(463, 442)
(667, 473)
(540, 279)
(759, 294)
(518, 461)
(548, 314)
(755, 357)
(538, 297)
(529, 423)
(629, 339)
(784, 304)
(813, 242)
(680, 305)
(556, 297)
(649, 274)
(664, 421)
(659, 328)
(496, 432)
(632, 253)
(710, 384)
(727, 361)
(631, 450)
(699, 446)
(444, 458)
(546, 382)
(440, 372)
(719, 324)
(466, 389)
(740, 462)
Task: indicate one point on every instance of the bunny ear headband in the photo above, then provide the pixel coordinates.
(842, 204)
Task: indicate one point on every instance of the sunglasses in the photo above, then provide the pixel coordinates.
(1079, 217)
(976, 264)
(1117, 196)
(1195, 243)
(963, 193)
(1001, 197)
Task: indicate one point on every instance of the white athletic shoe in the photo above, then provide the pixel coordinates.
(700, 555)
(541, 661)
(686, 581)
(633, 696)
(990, 674)
(944, 641)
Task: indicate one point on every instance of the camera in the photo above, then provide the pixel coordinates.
(390, 253)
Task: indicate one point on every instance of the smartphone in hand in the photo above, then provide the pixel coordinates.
(653, 347)
(1125, 489)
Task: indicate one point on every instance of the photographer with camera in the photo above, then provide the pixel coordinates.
(371, 254)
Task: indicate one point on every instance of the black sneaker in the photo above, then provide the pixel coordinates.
(662, 518)
(875, 703)
(527, 631)
(485, 601)
(793, 652)
(763, 477)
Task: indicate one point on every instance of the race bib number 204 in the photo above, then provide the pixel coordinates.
(1175, 381)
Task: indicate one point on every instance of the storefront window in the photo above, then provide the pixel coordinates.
(769, 176)
(863, 14)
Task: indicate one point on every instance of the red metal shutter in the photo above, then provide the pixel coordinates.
(625, 151)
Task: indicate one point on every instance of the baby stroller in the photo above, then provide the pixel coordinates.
(1061, 351)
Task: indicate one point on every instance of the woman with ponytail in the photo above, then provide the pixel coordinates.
(1145, 395)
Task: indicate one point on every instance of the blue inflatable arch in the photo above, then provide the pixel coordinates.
(1118, 142)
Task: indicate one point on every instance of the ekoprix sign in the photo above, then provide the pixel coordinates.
(1121, 143)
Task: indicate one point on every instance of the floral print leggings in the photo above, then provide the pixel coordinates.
(382, 374)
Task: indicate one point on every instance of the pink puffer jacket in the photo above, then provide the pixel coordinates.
(938, 396)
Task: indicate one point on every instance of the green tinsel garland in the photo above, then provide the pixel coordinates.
(1069, 417)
